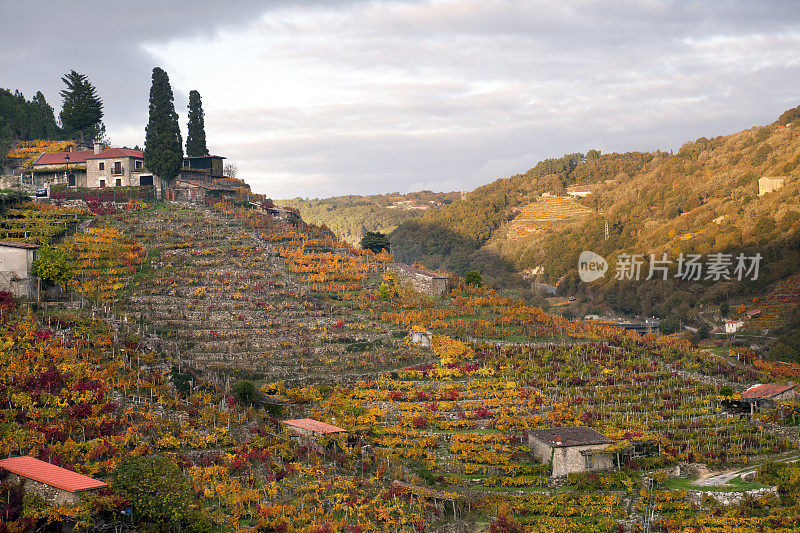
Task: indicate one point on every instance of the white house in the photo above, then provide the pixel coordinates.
(16, 262)
(732, 326)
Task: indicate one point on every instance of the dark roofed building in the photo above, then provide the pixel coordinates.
(571, 449)
(422, 280)
(210, 164)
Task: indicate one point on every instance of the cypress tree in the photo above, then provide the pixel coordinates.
(163, 153)
(82, 110)
(196, 129)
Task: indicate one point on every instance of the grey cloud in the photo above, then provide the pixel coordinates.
(448, 94)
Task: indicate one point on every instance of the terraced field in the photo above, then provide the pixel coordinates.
(222, 293)
(775, 306)
(544, 212)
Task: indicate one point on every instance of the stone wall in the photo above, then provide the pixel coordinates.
(51, 495)
(728, 498)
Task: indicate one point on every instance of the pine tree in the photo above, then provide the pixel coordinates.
(163, 153)
(196, 130)
(42, 119)
(82, 110)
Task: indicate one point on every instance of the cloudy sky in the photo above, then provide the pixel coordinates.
(321, 98)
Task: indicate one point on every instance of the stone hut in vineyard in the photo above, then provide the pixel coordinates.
(421, 280)
(571, 449)
(53, 484)
(767, 394)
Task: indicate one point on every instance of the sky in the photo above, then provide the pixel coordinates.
(323, 98)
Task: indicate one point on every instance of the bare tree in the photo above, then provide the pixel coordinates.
(230, 170)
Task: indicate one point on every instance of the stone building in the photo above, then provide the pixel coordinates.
(55, 485)
(422, 280)
(61, 167)
(16, 264)
(770, 183)
(117, 167)
(762, 395)
(571, 449)
(191, 190)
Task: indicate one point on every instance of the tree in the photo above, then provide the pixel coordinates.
(230, 170)
(163, 153)
(245, 390)
(375, 241)
(669, 325)
(41, 118)
(82, 109)
(155, 487)
(196, 129)
(52, 266)
(474, 278)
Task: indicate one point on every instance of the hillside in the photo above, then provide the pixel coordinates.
(189, 333)
(701, 200)
(349, 217)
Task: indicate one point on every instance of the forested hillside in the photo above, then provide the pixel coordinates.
(700, 200)
(24, 120)
(349, 217)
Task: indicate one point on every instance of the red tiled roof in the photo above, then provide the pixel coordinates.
(50, 474)
(15, 244)
(765, 391)
(60, 158)
(316, 426)
(117, 152)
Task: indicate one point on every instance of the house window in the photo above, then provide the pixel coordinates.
(118, 183)
(138, 165)
(588, 461)
(71, 180)
(102, 184)
(117, 167)
(102, 166)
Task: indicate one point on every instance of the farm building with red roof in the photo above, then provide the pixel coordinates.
(764, 394)
(308, 427)
(52, 483)
(97, 168)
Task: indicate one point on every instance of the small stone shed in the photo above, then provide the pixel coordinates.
(16, 263)
(421, 280)
(191, 190)
(52, 483)
(765, 394)
(571, 449)
(310, 428)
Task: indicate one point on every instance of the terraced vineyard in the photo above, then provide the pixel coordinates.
(544, 212)
(775, 306)
(436, 437)
(224, 295)
(38, 223)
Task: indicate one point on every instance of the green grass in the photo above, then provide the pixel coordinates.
(734, 485)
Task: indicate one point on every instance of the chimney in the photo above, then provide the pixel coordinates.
(557, 439)
(98, 147)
